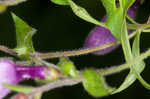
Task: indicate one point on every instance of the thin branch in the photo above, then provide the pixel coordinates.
(146, 30)
(131, 20)
(107, 71)
(72, 53)
(41, 61)
(70, 82)
(66, 53)
(77, 52)
(8, 50)
(57, 84)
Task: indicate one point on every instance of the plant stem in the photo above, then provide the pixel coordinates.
(138, 26)
(104, 72)
(125, 43)
(77, 52)
(66, 53)
(8, 50)
(56, 84)
(113, 70)
(73, 53)
(124, 66)
(131, 20)
(146, 30)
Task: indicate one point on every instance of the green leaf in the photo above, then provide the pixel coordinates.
(95, 84)
(137, 68)
(116, 15)
(110, 6)
(60, 2)
(128, 57)
(114, 23)
(83, 14)
(19, 88)
(24, 34)
(67, 67)
(136, 45)
(125, 4)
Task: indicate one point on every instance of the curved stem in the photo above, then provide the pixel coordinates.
(66, 53)
(131, 20)
(8, 50)
(104, 72)
(57, 84)
(73, 53)
(77, 52)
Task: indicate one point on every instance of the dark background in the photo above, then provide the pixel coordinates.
(59, 29)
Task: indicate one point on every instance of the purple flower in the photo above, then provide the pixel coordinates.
(7, 75)
(30, 72)
(11, 73)
(100, 35)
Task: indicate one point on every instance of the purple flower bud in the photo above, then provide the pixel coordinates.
(11, 73)
(7, 75)
(30, 72)
(132, 10)
(40, 72)
(100, 35)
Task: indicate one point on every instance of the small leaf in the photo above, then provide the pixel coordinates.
(83, 14)
(110, 5)
(116, 15)
(68, 68)
(95, 84)
(139, 67)
(19, 88)
(125, 4)
(22, 51)
(60, 2)
(136, 45)
(24, 34)
(128, 57)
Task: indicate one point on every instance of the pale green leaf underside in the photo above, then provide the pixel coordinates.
(60, 2)
(19, 88)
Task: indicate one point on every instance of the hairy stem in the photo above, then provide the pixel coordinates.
(65, 53)
(8, 50)
(77, 52)
(59, 83)
(104, 72)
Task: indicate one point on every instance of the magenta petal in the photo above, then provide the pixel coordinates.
(132, 10)
(100, 36)
(30, 72)
(7, 75)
